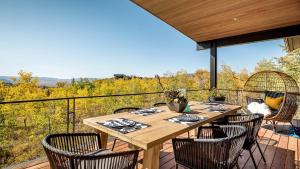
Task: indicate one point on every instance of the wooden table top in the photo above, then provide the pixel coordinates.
(160, 130)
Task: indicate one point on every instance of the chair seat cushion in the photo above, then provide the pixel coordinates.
(273, 94)
(274, 99)
(274, 103)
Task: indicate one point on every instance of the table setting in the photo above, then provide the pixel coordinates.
(147, 112)
(186, 119)
(218, 108)
(123, 125)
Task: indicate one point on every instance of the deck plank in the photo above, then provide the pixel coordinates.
(249, 164)
(270, 152)
(290, 154)
(298, 151)
(281, 153)
(266, 140)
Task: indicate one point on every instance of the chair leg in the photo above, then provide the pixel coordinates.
(274, 126)
(293, 126)
(176, 166)
(113, 146)
(237, 165)
(260, 151)
(253, 160)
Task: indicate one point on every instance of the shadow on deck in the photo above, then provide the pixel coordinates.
(281, 152)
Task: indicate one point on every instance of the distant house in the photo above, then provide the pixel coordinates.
(120, 76)
(125, 77)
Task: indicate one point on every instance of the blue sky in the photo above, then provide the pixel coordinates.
(97, 38)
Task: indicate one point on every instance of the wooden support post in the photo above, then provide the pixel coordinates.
(213, 65)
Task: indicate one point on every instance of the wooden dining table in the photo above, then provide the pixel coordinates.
(160, 130)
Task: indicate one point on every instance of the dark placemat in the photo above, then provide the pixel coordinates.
(147, 112)
(217, 103)
(212, 103)
(187, 119)
(220, 108)
(123, 125)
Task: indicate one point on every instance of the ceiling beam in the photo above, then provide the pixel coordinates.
(252, 37)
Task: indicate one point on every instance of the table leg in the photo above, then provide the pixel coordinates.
(161, 146)
(195, 132)
(132, 147)
(151, 158)
(103, 138)
(233, 113)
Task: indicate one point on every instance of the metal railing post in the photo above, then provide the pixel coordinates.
(71, 112)
(74, 106)
(49, 124)
(237, 96)
(68, 114)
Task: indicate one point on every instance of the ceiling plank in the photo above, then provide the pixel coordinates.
(208, 20)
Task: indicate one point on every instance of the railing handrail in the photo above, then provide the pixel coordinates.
(121, 95)
(71, 102)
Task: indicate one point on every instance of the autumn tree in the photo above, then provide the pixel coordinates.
(229, 79)
(267, 64)
(202, 78)
(290, 64)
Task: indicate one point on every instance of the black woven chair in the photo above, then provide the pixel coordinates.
(159, 104)
(216, 148)
(252, 123)
(121, 110)
(83, 151)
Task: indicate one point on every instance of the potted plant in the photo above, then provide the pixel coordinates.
(215, 97)
(176, 98)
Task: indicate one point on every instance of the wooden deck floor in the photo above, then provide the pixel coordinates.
(281, 152)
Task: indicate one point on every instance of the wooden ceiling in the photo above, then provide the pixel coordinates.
(207, 20)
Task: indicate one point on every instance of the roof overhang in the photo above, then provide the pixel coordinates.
(292, 43)
(228, 22)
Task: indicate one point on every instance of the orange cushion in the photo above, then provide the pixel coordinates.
(274, 103)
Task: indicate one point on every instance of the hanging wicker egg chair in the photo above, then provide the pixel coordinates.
(277, 83)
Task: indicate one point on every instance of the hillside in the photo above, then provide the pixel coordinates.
(43, 81)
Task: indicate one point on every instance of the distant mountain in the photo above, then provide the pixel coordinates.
(51, 82)
(6, 79)
(43, 81)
